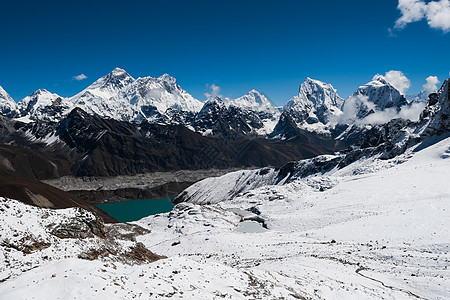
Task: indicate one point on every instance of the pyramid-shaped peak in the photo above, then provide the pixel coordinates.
(118, 78)
(253, 91)
(40, 92)
(118, 71)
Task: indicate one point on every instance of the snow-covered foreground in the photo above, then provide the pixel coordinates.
(376, 229)
(381, 231)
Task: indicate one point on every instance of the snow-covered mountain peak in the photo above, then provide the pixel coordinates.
(8, 106)
(40, 92)
(315, 94)
(253, 100)
(161, 93)
(117, 79)
(376, 95)
(43, 105)
(118, 71)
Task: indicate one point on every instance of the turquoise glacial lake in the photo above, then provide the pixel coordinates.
(133, 210)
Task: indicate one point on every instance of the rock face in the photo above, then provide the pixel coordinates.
(216, 118)
(436, 116)
(80, 226)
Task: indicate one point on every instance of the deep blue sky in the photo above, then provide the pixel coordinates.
(239, 45)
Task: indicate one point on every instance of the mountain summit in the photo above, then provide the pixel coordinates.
(376, 95)
(316, 102)
(312, 110)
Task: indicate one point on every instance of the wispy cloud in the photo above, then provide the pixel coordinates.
(215, 91)
(437, 13)
(79, 77)
(397, 79)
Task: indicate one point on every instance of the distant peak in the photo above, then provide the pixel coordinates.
(380, 78)
(167, 77)
(253, 91)
(309, 80)
(118, 71)
(40, 92)
(118, 78)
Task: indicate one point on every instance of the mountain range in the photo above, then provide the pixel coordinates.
(120, 125)
(368, 222)
(317, 107)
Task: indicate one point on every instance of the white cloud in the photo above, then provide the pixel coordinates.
(397, 79)
(437, 13)
(80, 77)
(215, 91)
(407, 112)
(432, 84)
(354, 103)
(412, 11)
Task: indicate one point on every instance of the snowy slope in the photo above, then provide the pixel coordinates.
(376, 229)
(8, 106)
(40, 261)
(366, 224)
